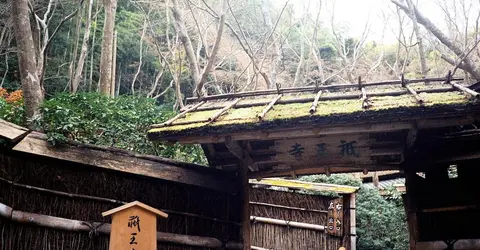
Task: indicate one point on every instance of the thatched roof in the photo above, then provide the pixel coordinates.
(335, 105)
(291, 131)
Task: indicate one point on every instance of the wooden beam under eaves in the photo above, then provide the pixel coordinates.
(313, 131)
(315, 169)
(241, 153)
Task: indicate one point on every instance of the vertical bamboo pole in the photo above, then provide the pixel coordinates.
(245, 234)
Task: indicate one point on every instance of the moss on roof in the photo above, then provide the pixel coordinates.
(247, 117)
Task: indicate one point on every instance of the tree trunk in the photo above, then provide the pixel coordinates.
(187, 43)
(84, 50)
(216, 47)
(114, 66)
(107, 47)
(277, 54)
(301, 62)
(421, 50)
(32, 89)
(140, 61)
(468, 62)
(90, 78)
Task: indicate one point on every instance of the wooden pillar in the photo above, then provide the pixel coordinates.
(376, 181)
(353, 222)
(245, 234)
(410, 209)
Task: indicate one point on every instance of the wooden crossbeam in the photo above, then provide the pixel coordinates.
(241, 153)
(313, 88)
(419, 99)
(404, 83)
(313, 108)
(270, 106)
(225, 109)
(333, 97)
(465, 90)
(365, 101)
(460, 87)
(309, 131)
(182, 114)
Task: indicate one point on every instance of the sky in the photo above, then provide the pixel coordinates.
(379, 13)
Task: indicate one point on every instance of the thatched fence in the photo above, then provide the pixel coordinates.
(49, 199)
(296, 221)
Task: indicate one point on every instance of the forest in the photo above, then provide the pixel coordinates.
(102, 72)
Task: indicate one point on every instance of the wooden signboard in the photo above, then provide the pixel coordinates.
(134, 227)
(326, 150)
(335, 217)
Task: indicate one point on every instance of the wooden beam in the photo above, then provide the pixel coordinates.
(315, 169)
(222, 111)
(241, 153)
(312, 131)
(270, 106)
(465, 90)
(330, 97)
(415, 94)
(182, 114)
(313, 108)
(12, 132)
(463, 157)
(35, 144)
(312, 88)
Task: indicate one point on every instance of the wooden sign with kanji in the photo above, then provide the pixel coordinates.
(324, 150)
(335, 217)
(134, 227)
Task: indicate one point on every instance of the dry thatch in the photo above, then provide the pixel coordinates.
(80, 179)
(280, 237)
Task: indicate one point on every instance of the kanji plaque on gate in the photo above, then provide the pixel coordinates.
(335, 217)
(326, 150)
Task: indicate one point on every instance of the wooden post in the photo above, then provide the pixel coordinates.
(134, 226)
(410, 209)
(245, 234)
(353, 222)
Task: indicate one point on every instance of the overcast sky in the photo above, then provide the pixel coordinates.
(355, 14)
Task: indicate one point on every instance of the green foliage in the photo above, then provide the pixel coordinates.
(381, 223)
(337, 179)
(121, 122)
(12, 112)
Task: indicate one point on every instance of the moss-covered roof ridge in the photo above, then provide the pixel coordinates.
(387, 103)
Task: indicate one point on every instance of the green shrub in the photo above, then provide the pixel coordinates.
(381, 222)
(116, 122)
